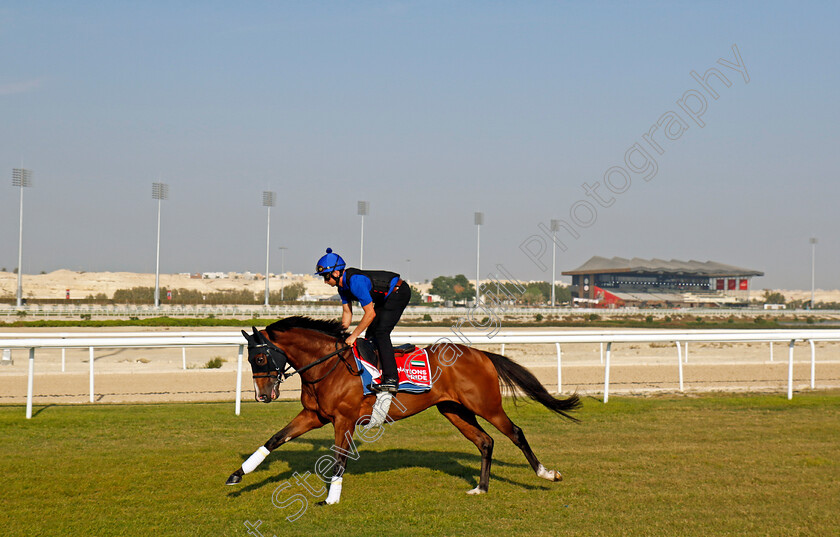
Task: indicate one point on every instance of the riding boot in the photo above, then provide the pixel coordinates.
(388, 384)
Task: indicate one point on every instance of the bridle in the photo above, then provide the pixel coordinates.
(277, 361)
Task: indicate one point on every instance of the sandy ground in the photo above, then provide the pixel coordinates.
(158, 375)
(83, 284)
(54, 285)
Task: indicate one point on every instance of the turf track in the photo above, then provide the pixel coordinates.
(716, 465)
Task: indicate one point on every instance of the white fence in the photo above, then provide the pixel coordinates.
(333, 310)
(94, 341)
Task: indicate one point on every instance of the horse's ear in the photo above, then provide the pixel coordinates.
(247, 336)
(257, 336)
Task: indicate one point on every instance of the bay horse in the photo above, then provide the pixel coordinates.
(466, 383)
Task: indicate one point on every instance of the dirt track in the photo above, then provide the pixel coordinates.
(157, 375)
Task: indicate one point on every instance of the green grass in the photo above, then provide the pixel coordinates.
(715, 465)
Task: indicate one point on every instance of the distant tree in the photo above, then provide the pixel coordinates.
(533, 295)
(773, 297)
(449, 288)
(290, 292)
(415, 298)
(540, 293)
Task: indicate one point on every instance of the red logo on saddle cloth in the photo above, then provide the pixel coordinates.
(414, 367)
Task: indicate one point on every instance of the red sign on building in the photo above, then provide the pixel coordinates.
(742, 285)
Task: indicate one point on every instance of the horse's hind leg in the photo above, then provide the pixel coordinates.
(465, 421)
(502, 422)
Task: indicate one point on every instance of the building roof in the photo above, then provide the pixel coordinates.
(602, 265)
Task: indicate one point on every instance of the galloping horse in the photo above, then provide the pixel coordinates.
(466, 384)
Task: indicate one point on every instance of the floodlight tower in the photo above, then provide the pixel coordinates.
(555, 225)
(21, 178)
(268, 202)
(363, 209)
(282, 270)
(160, 192)
(813, 242)
(479, 221)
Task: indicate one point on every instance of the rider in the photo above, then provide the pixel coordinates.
(383, 296)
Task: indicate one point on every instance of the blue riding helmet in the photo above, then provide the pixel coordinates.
(329, 263)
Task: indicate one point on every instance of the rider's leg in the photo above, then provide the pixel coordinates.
(387, 317)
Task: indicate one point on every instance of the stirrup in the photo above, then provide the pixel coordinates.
(386, 386)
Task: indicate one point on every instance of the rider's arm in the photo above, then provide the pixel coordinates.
(367, 318)
(346, 315)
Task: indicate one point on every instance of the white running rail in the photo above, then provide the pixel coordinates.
(94, 341)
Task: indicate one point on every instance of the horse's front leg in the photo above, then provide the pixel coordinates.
(344, 447)
(302, 423)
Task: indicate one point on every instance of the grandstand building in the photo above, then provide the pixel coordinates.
(617, 282)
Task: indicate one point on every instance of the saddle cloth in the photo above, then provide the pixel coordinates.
(412, 368)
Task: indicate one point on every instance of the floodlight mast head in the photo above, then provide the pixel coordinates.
(21, 177)
(160, 191)
(269, 198)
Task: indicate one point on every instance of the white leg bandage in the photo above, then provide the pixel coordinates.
(255, 460)
(380, 410)
(551, 475)
(335, 490)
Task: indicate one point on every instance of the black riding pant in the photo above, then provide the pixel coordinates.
(388, 314)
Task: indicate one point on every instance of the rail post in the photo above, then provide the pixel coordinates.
(680, 362)
(790, 369)
(91, 374)
(29, 383)
(813, 362)
(239, 380)
(559, 369)
(607, 374)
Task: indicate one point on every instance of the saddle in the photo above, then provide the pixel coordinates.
(370, 354)
(412, 367)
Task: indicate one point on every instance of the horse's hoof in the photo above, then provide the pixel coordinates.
(476, 490)
(233, 479)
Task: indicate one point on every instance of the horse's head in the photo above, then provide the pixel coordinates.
(268, 362)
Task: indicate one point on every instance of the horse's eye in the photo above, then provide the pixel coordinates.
(261, 360)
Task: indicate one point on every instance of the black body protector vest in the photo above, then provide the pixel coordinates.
(381, 280)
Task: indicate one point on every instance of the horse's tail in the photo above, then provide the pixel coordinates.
(513, 375)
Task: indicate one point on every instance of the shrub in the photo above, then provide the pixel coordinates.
(215, 363)
(539, 317)
(427, 317)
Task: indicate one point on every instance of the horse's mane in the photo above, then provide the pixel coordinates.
(330, 327)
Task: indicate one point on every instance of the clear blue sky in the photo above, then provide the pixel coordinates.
(431, 111)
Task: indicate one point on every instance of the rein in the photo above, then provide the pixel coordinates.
(321, 360)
